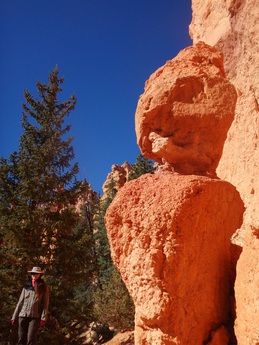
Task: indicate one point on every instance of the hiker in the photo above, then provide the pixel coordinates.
(32, 308)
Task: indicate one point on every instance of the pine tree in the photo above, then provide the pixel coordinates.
(142, 166)
(41, 179)
(39, 190)
(102, 248)
(111, 294)
(113, 305)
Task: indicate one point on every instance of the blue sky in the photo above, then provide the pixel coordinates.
(106, 50)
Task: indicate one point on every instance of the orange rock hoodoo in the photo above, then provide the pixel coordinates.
(186, 110)
(170, 232)
(170, 238)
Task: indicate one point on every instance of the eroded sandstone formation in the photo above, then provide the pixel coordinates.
(170, 238)
(170, 232)
(186, 110)
(118, 177)
(232, 26)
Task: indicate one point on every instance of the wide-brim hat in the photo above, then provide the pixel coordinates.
(36, 270)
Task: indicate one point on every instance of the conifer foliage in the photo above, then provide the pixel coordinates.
(141, 167)
(113, 305)
(41, 224)
(41, 179)
(38, 191)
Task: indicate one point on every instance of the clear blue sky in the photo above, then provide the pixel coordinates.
(106, 50)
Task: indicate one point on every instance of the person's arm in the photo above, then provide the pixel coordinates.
(18, 306)
(45, 305)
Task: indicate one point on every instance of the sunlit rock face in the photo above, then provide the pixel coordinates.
(186, 109)
(170, 238)
(117, 177)
(232, 26)
(170, 232)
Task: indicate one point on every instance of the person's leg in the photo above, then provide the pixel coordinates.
(23, 324)
(33, 331)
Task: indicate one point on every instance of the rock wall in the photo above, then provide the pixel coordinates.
(232, 26)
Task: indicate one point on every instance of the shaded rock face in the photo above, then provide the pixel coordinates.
(232, 26)
(170, 238)
(186, 110)
(247, 292)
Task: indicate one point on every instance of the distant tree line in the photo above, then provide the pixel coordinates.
(51, 219)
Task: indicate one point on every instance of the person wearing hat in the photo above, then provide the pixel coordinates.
(32, 308)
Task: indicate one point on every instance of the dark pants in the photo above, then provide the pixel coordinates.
(28, 330)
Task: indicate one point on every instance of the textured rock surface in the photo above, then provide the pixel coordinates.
(186, 110)
(247, 292)
(233, 27)
(118, 175)
(170, 238)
